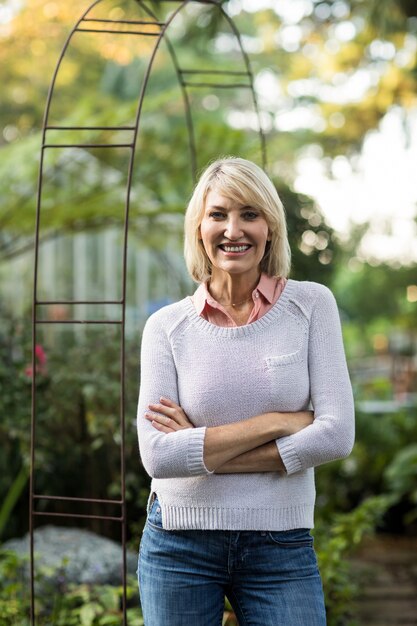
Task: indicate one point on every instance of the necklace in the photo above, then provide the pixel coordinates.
(236, 303)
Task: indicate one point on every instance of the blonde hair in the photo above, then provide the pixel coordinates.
(244, 182)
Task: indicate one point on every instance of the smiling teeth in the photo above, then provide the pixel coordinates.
(235, 248)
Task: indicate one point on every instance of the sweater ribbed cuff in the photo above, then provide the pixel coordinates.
(289, 455)
(195, 452)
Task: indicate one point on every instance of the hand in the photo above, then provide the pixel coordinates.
(167, 416)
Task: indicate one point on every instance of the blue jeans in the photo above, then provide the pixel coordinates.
(270, 578)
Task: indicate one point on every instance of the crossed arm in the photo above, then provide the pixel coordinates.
(270, 442)
(246, 446)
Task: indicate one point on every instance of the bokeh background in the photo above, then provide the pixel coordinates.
(336, 85)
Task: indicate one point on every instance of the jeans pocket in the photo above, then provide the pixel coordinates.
(155, 514)
(298, 538)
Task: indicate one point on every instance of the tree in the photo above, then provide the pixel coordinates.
(85, 188)
(324, 75)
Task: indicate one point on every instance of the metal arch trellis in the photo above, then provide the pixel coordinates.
(186, 79)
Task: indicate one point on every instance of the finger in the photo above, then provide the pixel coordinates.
(162, 428)
(168, 402)
(162, 420)
(176, 414)
(160, 408)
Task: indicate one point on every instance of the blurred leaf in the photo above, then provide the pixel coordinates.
(401, 473)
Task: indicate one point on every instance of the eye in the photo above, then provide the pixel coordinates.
(216, 215)
(250, 215)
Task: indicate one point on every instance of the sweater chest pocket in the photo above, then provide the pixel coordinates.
(274, 362)
(288, 379)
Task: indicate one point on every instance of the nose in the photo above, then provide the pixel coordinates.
(233, 230)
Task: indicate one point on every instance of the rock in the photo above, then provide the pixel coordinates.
(81, 555)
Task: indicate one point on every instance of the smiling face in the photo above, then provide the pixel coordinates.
(234, 236)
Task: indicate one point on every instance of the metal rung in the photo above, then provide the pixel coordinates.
(78, 322)
(217, 72)
(117, 32)
(49, 302)
(88, 145)
(90, 127)
(79, 515)
(67, 499)
(217, 85)
(106, 21)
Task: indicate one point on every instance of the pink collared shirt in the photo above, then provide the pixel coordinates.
(264, 296)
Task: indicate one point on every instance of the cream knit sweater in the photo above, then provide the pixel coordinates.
(288, 360)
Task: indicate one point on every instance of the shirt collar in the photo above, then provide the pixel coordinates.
(200, 298)
(266, 288)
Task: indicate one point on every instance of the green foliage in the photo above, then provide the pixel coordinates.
(78, 423)
(12, 595)
(335, 544)
(12, 497)
(362, 294)
(62, 604)
(99, 83)
(85, 188)
(382, 462)
(401, 479)
(315, 251)
(15, 420)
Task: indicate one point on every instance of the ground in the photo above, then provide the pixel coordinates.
(389, 593)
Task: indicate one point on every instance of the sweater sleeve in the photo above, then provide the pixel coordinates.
(177, 454)
(331, 436)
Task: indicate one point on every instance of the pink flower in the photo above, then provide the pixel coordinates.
(40, 363)
(40, 355)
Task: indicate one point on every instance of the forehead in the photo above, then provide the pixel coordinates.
(217, 198)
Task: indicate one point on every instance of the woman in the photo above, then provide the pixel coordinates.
(225, 429)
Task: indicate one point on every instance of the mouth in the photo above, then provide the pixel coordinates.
(234, 248)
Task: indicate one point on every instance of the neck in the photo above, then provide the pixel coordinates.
(230, 289)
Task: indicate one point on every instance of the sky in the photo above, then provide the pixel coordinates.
(382, 189)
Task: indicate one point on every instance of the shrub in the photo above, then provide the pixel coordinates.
(68, 605)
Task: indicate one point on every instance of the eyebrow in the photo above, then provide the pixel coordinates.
(222, 208)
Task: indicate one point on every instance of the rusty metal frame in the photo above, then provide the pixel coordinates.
(86, 24)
